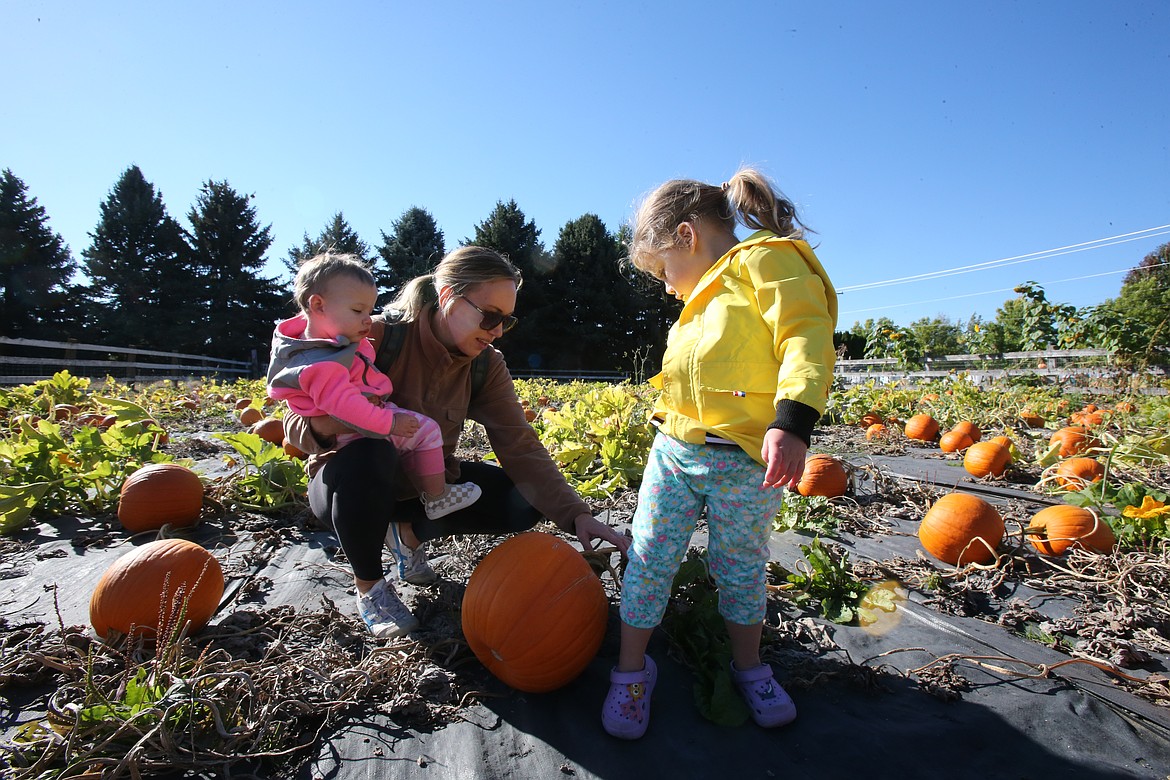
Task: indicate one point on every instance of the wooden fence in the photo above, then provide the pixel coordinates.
(1085, 367)
(23, 361)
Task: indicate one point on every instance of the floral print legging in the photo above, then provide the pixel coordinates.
(680, 479)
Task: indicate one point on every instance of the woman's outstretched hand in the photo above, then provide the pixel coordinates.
(589, 528)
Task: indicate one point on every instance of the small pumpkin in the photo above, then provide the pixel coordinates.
(158, 494)
(1088, 418)
(1056, 529)
(954, 441)
(871, 418)
(293, 451)
(151, 588)
(1073, 440)
(823, 475)
(250, 416)
(1125, 407)
(987, 458)
(1031, 419)
(534, 613)
(922, 427)
(876, 431)
(1078, 473)
(243, 404)
(961, 528)
(270, 429)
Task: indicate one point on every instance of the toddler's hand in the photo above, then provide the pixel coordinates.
(784, 453)
(404, 425)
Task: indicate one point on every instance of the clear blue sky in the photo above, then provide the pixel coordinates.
(914, 137)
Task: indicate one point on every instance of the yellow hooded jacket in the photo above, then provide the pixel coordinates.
(756, 331)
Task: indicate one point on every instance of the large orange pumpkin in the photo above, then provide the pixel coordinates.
(534, 613)
(961, 528)
(160, 493)
(922, 427)
(985, 458)
(823, 475)
(270, 429)
(1073, 440)
(954, 441)
(969, 428)
(154, 586)
(1078, 473)
(1052, 531)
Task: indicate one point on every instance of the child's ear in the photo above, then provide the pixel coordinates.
(316, 302)
(686, 234)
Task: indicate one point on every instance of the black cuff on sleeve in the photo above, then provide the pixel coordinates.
(797, 418)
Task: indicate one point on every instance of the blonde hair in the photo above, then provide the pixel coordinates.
(747, 197)
(462, 270)
(317, 271)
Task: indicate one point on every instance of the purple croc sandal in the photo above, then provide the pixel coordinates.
(769, 703)
(626, 712)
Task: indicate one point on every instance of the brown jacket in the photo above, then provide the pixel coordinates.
(430, 380)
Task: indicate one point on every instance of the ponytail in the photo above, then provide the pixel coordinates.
(748, 198)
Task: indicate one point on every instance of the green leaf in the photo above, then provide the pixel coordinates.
(16, 504)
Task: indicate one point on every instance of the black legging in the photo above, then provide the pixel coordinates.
(354, 491)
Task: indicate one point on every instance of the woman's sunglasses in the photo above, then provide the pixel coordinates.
(491, 320)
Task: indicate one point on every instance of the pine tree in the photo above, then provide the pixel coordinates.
(337, 236)
(227, 251)
(140, 277)
(35, 266)
(588, 299)
(413, 248)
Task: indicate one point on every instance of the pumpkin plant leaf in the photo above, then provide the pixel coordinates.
(16, 504)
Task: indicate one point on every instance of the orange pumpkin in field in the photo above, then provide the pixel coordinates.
(154, 587)
(1079, 473)
(1056, 529)
(876, 431)
(270, 429)
(534, 613)
(922, 427)
(961, 528)
(987, 458)
(954, 441)
(1031, 419)
(250, 415)
(1073, 440)
(158, 494)
(823, 475)
(971, 429)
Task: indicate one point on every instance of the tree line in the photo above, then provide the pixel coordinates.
(147, 281)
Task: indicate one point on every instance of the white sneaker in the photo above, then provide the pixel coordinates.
(413, 566)
(384, 613)
(452, 499)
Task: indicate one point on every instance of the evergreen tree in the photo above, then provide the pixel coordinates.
(651, 311)
(337, 236)
(413, 248)
(140, 276)
(509, 232)
(238, 304)
(586, 297)
(35, 266)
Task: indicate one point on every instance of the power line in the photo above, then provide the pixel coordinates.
(1017, 259)
(992, 292)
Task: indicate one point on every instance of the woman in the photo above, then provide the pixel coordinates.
(451, 317)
